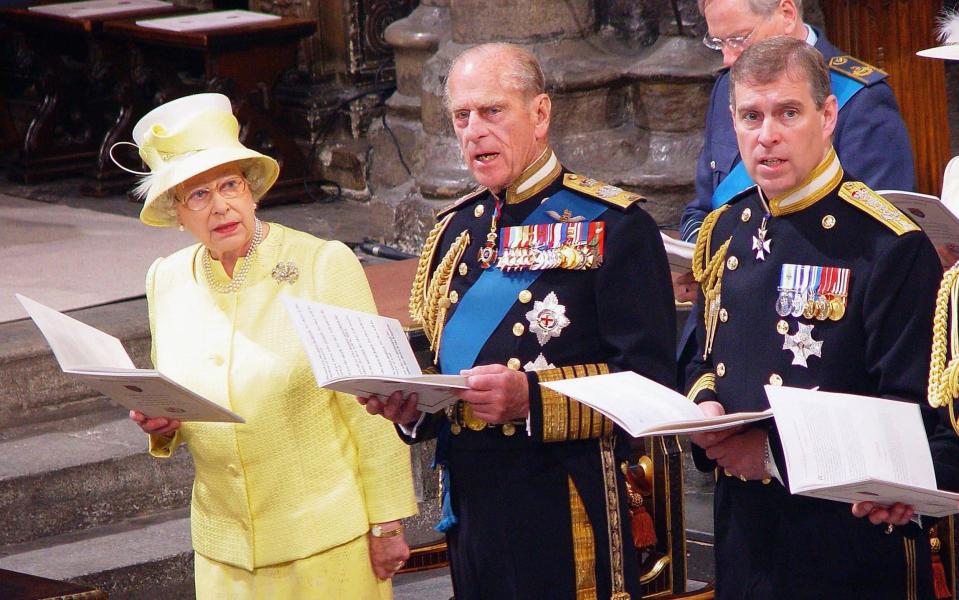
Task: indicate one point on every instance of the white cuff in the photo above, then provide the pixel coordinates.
(770, 463)
(411, 432)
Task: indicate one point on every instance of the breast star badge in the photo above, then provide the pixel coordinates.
(547, 318)
(539, 364)
(802, 345)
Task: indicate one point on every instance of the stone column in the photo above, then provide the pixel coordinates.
(629, 82)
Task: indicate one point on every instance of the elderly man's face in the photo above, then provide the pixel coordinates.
(782, 136)
(500, 131)
(733, 20)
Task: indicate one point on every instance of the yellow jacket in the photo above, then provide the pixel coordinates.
(310, 469)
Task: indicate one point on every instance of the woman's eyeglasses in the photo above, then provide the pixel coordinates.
(228, 189)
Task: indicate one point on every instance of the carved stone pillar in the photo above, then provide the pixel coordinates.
(629, 83)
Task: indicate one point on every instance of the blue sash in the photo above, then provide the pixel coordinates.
(483, 307)
(843, 88)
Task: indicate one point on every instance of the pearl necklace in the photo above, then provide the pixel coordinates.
(240, 276)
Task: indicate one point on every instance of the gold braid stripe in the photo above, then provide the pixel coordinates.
(712, 286)
(706, 382)
(909, 548)
(943, 379)
(584, 546)
(437, 300)
(613, 522)
(418, 291)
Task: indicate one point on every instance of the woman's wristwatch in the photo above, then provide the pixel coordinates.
(377, 531)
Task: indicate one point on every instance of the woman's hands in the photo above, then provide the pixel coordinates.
(388, 554)
(155, 425)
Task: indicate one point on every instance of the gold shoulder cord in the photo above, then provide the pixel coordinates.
(418, 291)
(943, 379)
(708, 271)
(437, 300)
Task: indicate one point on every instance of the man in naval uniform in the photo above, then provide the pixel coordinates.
(540, 275)
(867, 112)
(808, 279)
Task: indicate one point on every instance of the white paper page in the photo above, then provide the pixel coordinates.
(933, 503)
(207, 21)
(155, 395)
(831, 438)
(76, 344)
(349, 343)
(678, 253)
(94, 8)
(935, 218)
(433, 395)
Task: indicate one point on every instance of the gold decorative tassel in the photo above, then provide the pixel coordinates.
(943, 377)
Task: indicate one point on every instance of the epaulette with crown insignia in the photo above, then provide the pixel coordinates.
(460, 202)
(854, 68)
(859, 195)
(610, 194)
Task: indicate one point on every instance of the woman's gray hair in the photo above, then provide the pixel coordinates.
(763, 8)
(523, 74)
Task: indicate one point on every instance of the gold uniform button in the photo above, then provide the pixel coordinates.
(732, 263)
(519, 329)
(513, 363)
(747, 214)
(723, 315)
(721, 369)
(463, 269)
(525, 296)
(454, 297)
(782, 327)
(479, 210)
(828, 222)
(775, 379)
(509, 429)
(455, 428)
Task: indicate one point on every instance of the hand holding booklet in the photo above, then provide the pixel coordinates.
(99, 360)
(362, 354)
(643, 407)
(854, 448)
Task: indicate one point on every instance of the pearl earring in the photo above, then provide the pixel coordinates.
(180, 227)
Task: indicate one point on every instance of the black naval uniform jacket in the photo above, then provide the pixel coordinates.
(770, 544)
(532, 508)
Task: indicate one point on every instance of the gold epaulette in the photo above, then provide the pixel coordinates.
(460, 202)
(859, 195)
(610, 194)
(854, 68)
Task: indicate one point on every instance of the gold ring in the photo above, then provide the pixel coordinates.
(399, 564)
(742, 477)
(889, 528)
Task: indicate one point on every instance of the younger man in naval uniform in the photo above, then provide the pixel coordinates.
(809, 279)
(540, 275)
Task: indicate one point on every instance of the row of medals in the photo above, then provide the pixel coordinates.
(532, 253)
(810, 305)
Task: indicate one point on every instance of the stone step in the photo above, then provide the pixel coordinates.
(55, 480)
(33, 389)
(140, 558)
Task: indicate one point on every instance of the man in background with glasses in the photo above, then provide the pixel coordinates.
(870, 137)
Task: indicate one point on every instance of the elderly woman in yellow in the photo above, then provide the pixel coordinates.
(304, 499)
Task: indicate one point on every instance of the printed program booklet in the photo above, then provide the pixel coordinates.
(855, 448)
(643, 407)
(99, 360)
(364, 354)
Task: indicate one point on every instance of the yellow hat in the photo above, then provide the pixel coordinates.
(186, 137)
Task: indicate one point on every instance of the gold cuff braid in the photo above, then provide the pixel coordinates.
(707, 381)
(566, 419)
